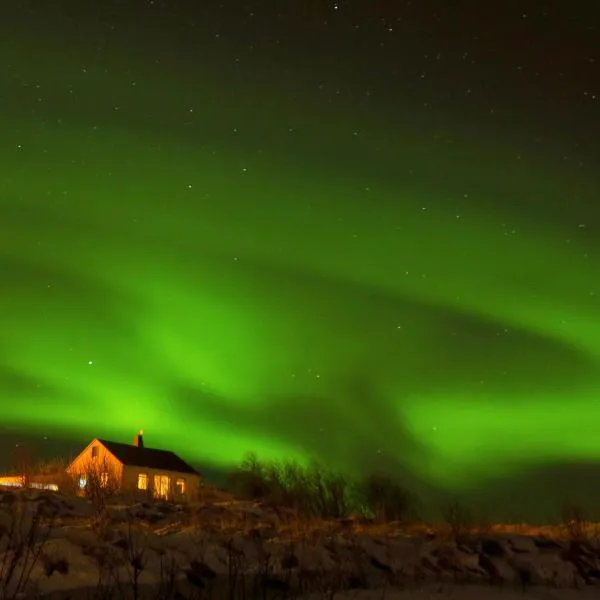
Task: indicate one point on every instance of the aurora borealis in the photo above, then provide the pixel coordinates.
(367, 236)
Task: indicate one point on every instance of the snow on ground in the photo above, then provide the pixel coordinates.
(266, 552)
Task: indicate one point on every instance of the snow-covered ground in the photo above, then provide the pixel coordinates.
(266, 552)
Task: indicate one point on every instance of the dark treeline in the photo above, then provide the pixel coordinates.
(316, 491)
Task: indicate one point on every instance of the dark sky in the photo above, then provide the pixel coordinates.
(366, 231)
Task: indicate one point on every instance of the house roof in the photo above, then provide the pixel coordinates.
(150, 458)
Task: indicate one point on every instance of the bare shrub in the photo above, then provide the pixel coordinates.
(459, 519)
(383, 498)
(54, 562)
(289, 485)
(107, 582)
(23, 463)
(317, 491)
(332, 492)
(249, 480)
(135, 548)
(23, 535)
(575, 522)
(101, 483)
(312, 491)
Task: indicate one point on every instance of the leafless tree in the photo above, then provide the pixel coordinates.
(23, 463)
(459, 518)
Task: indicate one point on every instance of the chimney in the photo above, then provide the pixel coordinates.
(138, 440)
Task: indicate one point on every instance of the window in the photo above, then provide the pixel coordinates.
(162, 485)
(94, 451)
(180, 485)
(142, 481)
(104, 479)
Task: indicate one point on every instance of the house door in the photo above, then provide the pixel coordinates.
(162, 483)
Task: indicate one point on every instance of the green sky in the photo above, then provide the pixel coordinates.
(232, 263)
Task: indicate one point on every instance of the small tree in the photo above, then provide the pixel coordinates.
(313, 491)
(100, 482)
(289, 486)
(331, 492)
(459, 518)
(575, 522)
(249, 480)
(384, 498)
(23, 463)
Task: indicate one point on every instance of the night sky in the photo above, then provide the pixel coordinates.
(366, 231)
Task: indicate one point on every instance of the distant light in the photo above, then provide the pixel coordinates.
(44, 486)
(90, 362)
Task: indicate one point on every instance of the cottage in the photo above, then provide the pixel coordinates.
(135, 468)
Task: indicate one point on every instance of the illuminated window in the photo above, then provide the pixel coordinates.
(142, 481)
(82, 481)
(94, 451)
(44, 486)
(104, 479)
(180, 486)
(162, 485)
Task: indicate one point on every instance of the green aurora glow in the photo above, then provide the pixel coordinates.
(175, 258)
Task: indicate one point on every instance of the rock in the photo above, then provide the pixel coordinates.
(289, 561)
(585, 561)
(200, 574)
(430, 565)
(522, 545)
(314, 557)
(202, 569)
(546, 569)
(467, 549)
(544, 543)
(469, 568)
(498, 571)
(492, 547)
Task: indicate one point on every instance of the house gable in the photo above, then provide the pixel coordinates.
(95, 455)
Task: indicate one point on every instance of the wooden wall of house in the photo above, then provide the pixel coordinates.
(130, 482)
